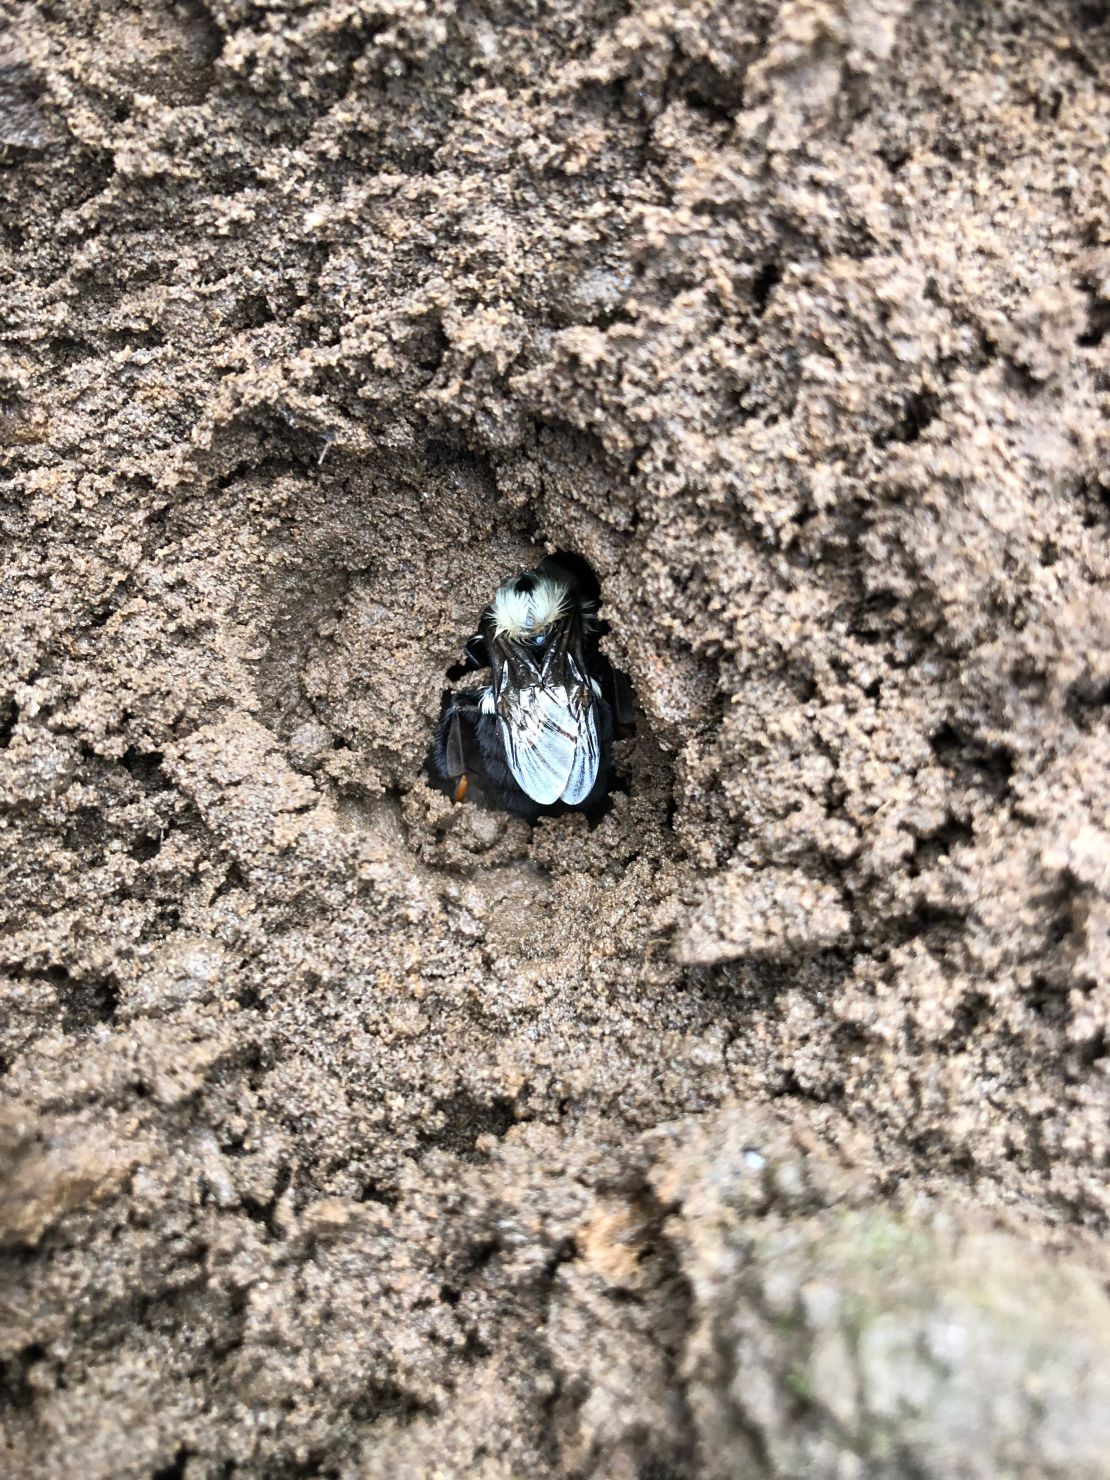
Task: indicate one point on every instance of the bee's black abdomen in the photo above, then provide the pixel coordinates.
(490, 781)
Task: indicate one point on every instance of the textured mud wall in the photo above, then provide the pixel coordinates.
(760, 1128)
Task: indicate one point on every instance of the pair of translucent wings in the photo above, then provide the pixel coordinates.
(547, 717)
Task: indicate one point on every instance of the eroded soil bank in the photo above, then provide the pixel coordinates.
(758, 1129)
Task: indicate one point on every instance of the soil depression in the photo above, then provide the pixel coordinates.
(346, 1132)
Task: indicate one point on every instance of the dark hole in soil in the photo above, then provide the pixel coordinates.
(385, 1399)
(972, 759)
(1086, 698)
(1098, 323)
(146, 767)
(146, 847)
(465, 1119)
(176, 1468)
(929, 850)
(767, 280)
(233, 879)
(84, 1001)
(9, 717)
(919, 410)
(377, 1192)
(17, 1378)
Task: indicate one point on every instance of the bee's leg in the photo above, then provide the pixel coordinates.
(454, 738)
(617, 693)
(454, 753)
(623, 702)
(477, 654)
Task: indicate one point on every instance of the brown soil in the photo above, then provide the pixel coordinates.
(760, 1128)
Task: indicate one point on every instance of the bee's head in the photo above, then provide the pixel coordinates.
(526, 608)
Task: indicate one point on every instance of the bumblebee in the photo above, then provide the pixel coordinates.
(538, 739)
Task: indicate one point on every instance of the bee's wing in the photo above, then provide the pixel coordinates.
(587, 751)
(454, 753)
(547, 718)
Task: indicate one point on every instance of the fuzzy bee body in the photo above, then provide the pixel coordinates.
(539, 737)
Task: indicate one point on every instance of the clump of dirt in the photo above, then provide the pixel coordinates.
(349, 1132)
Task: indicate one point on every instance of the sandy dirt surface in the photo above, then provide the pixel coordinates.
(759, 1128)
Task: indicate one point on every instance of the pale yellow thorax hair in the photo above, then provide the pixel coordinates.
(520, 613)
